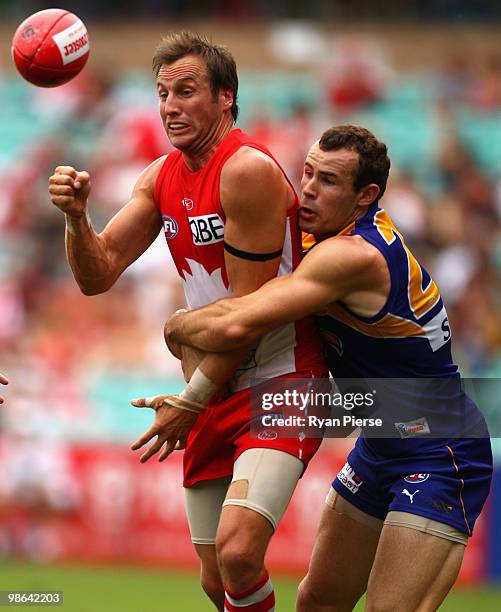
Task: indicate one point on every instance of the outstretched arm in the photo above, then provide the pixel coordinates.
(97, 260)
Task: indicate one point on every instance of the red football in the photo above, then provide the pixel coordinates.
(50, 47)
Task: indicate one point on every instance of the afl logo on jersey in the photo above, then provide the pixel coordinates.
(171, 227)
(415, 478)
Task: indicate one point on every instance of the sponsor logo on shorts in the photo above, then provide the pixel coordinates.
(267, 434)
(413, 478)
(413, 429)
(410, 495)
(171, 228)
(350, 478)
(206, 229)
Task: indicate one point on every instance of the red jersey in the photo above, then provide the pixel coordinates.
(193, 220)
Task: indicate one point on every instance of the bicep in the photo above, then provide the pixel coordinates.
(134, 228)
(255, 202)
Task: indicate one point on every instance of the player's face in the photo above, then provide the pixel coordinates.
(191, 113)
(328, 201)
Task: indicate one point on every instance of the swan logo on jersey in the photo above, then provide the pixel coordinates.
(171, 227)
(350, 478)
(188, 203)
(413, 478)
(206, 229)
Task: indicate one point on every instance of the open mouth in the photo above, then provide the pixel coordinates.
(306, 213)
(177, 128)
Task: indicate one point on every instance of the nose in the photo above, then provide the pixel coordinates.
(170, 106)
(308, 187)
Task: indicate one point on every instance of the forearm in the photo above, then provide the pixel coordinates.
(220, 367)
(210, 329)
(97, 260)
(191, 358)
(87, 256)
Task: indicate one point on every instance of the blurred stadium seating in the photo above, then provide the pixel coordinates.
(75, 362)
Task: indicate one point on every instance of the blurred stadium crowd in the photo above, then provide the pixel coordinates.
(449, 10)
(75, 361)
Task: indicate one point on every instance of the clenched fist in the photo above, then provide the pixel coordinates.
(69, 190)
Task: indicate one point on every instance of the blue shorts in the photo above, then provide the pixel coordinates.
(446, 480)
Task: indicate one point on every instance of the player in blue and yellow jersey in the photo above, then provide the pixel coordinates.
(399, 514)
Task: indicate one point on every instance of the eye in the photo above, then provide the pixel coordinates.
(186, 92)
(162, 95)
(307, 172)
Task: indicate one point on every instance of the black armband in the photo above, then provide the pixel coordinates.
(251, 256)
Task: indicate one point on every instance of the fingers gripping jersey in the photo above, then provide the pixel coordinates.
(410, 336)
(194, 221)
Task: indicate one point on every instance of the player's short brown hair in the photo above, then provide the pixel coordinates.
(219, 60)
(373, 160)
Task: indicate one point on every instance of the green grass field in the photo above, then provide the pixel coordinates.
(119, 589)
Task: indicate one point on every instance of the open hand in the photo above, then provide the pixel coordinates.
(171, 427)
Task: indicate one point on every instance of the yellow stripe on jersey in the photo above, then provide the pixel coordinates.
(347, 230)
(308, 240)
(389, 326)
(420, 300)
(385, 226)
(436, 330)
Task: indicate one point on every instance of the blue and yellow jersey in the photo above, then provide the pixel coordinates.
(410, 336)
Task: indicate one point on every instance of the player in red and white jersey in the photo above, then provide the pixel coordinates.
(194, 225)
(229, 216)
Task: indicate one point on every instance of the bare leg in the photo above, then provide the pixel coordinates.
(445, 580)
(242, 540)
(426, 566)
(210, 577)
(341, 561)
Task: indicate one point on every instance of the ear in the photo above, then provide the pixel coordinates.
(226, 96)
(368, 194)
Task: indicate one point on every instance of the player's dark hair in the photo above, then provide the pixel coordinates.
(373, 160)
(219, 60)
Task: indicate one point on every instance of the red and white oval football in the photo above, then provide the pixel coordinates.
(50, 47)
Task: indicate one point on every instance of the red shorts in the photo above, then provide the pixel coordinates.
(222, 433)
